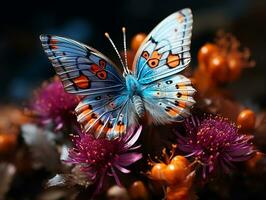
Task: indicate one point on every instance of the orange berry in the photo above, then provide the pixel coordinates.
(7, 143)
(180, 161)
(252, 163)
(137, 40)
(234, 67)
(205, 52)
(175, 174)
(177, 193)
(138, 191)
(157, 171)
(246, 119)
(217, 67)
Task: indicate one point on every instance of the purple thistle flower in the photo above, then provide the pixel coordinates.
(99, 158)
(216, 143)
(53, 104)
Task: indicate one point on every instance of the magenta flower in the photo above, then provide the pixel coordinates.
(99, 158)
(53, 104)
(216, 143)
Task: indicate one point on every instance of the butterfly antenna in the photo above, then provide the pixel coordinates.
(125, 47)
(119, 56)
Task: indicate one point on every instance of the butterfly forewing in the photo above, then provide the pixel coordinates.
(82, 69)
(165, 51)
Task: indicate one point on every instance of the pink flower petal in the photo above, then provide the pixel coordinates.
(122, 169)
(134, 139)
(128, 158)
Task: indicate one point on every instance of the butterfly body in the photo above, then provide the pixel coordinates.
(135, 93)
(132, 85)
(113, 101)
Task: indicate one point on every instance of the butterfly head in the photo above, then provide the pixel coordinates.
(133, 86)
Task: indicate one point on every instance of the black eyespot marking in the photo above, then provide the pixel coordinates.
(169, 82)
(120, 123)
(109, 125)
(98, 97)
(168, 108)
(177, 86)
(145, 55)
(94, 116)
(179, 95)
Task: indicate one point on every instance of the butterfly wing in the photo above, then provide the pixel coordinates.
(82, 69)
(85, 71)
(104, 115)
(165, 51)
(167, 96)
(169, 99)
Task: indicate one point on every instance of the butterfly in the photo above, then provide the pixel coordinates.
(113, 101)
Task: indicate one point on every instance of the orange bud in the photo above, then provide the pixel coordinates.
(157, 171)
(205, 52)
(138, 191)
(175, 173)
(178, 193)
(217, 67)
(7, 143)
(246, 119)
(180, 160)
(234, 66)
(137, 40)
(251, 164)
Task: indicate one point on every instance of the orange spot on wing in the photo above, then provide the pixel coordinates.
(84, 108)
(98, 127)
(172, 111)
(82, 82)
(102, 63)
(155, 54)
(180, 18)
(182, 104)
(154, 60)
(145, 54)
(117, 128)
(123, 129)
(173, 60)
(53, 43)
(101, 75)
(95, 68)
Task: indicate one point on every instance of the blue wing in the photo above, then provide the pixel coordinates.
(82, 69)
(104, 115)
(165, 51)
(169, 99)
(85, 71)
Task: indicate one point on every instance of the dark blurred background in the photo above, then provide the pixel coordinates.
(23, 64)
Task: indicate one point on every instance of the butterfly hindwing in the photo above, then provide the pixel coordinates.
(165, 51)
(103, 115)
(82, 69)
(169, 99)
